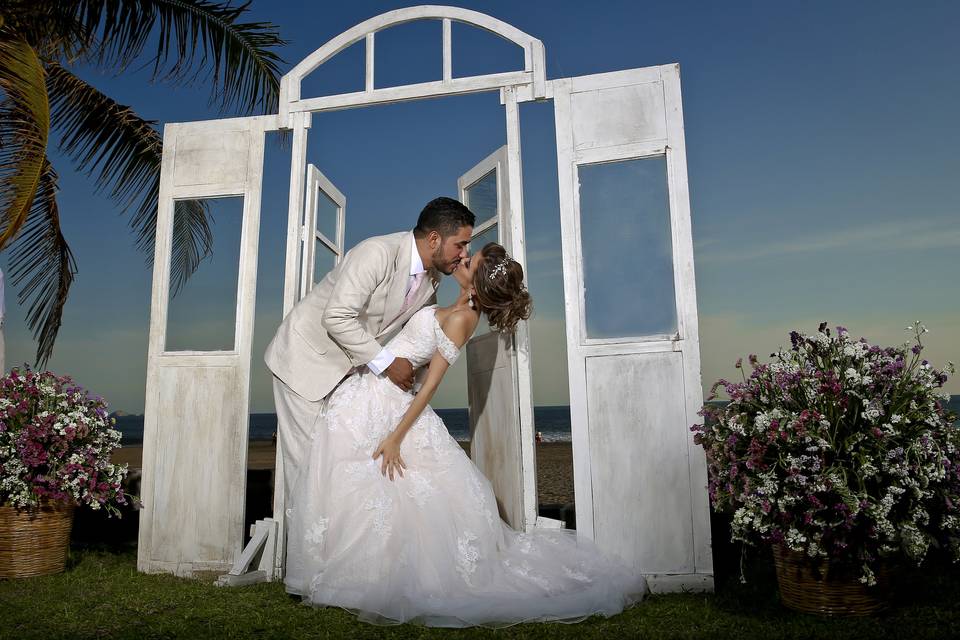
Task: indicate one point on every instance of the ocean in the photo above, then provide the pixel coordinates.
(552, 422)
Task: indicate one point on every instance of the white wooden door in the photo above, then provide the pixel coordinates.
(196, 411)
(631, 315)
(317, 247)
(500, 398)
(323, 228)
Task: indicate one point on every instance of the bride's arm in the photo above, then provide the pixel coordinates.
(458, 327)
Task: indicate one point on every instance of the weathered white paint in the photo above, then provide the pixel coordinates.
(639, 480)
(495, 162)
(447, 50)
(391, 95)
(295, 211)
(300, 124)
(196, 410)
(634, 408)
(318, 185)
(495, 445)
(515, 242)
(689, 324)
(368, 82)
(501, 395)
(260, 550)
(534, 69)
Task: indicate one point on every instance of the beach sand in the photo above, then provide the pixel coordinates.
(554, 466)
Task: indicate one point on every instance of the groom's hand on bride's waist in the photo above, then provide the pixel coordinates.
(400, 373)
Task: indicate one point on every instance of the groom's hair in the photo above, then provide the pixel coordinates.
(445, 216)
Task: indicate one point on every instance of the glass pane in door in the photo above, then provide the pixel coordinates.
(627, 249)
(481, 197)
(202, 312)
(327, 211)
(324, 261)
(490, 235)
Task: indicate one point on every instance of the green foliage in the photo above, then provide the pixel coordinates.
(193, 41)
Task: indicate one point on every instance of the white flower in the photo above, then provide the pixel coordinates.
(795, 539)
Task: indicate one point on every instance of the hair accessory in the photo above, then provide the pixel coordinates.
(499, 269)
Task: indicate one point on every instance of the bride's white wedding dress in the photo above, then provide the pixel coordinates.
(428, 547)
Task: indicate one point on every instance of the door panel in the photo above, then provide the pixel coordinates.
(644, 388)
(632, 345)
(197, 402)
(323, 229)
(494, 429)
(498, 435)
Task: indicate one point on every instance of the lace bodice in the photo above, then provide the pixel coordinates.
(421, 337)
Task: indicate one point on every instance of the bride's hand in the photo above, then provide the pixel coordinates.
(389, 448)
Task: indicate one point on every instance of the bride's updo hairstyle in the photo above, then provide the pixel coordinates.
(498, 283)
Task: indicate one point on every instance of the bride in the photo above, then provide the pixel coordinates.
(391, 520)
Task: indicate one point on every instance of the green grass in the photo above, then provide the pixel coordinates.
(102, 595)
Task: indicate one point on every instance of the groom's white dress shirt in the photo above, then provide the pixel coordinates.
(383, 359)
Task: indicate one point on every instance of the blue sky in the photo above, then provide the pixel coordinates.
(821, 144)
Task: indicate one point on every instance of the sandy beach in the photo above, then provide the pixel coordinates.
(554, 466)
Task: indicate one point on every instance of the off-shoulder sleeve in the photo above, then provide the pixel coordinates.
(445, 345)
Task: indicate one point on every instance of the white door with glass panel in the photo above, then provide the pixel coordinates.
(196, 413)
(323, 227)
(632, 342)
(320, 249)
(501, 440)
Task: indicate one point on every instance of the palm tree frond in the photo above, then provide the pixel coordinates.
(51, 28)
(42, 266)
(24, 128)
(122, 151)
(191, 36)
(192, 241)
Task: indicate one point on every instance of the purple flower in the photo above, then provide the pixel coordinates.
(795, 340)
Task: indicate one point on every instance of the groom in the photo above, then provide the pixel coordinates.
(347, 317)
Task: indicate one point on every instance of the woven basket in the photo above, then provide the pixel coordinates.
(34, 542)
(828, 588)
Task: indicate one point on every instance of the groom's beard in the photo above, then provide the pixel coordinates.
(446, 268)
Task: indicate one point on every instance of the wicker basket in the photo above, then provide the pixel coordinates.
(826, 588)
(34, 542)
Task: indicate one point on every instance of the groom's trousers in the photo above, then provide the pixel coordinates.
(297, 418)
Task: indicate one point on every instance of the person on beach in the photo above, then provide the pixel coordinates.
(343, 323)
(391, 520)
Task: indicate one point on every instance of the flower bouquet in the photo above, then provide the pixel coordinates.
(839, 450)
(55, 448)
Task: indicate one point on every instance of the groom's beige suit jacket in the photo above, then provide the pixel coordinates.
(348, 316)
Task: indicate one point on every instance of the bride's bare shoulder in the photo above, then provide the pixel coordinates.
(459, 325)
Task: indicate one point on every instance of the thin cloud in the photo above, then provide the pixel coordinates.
(909, 235)
(726, 336)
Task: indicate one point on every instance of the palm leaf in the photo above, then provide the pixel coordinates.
(192, 36)
(51, 28)
(122, 151)
(42, 266)
(24, 127)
